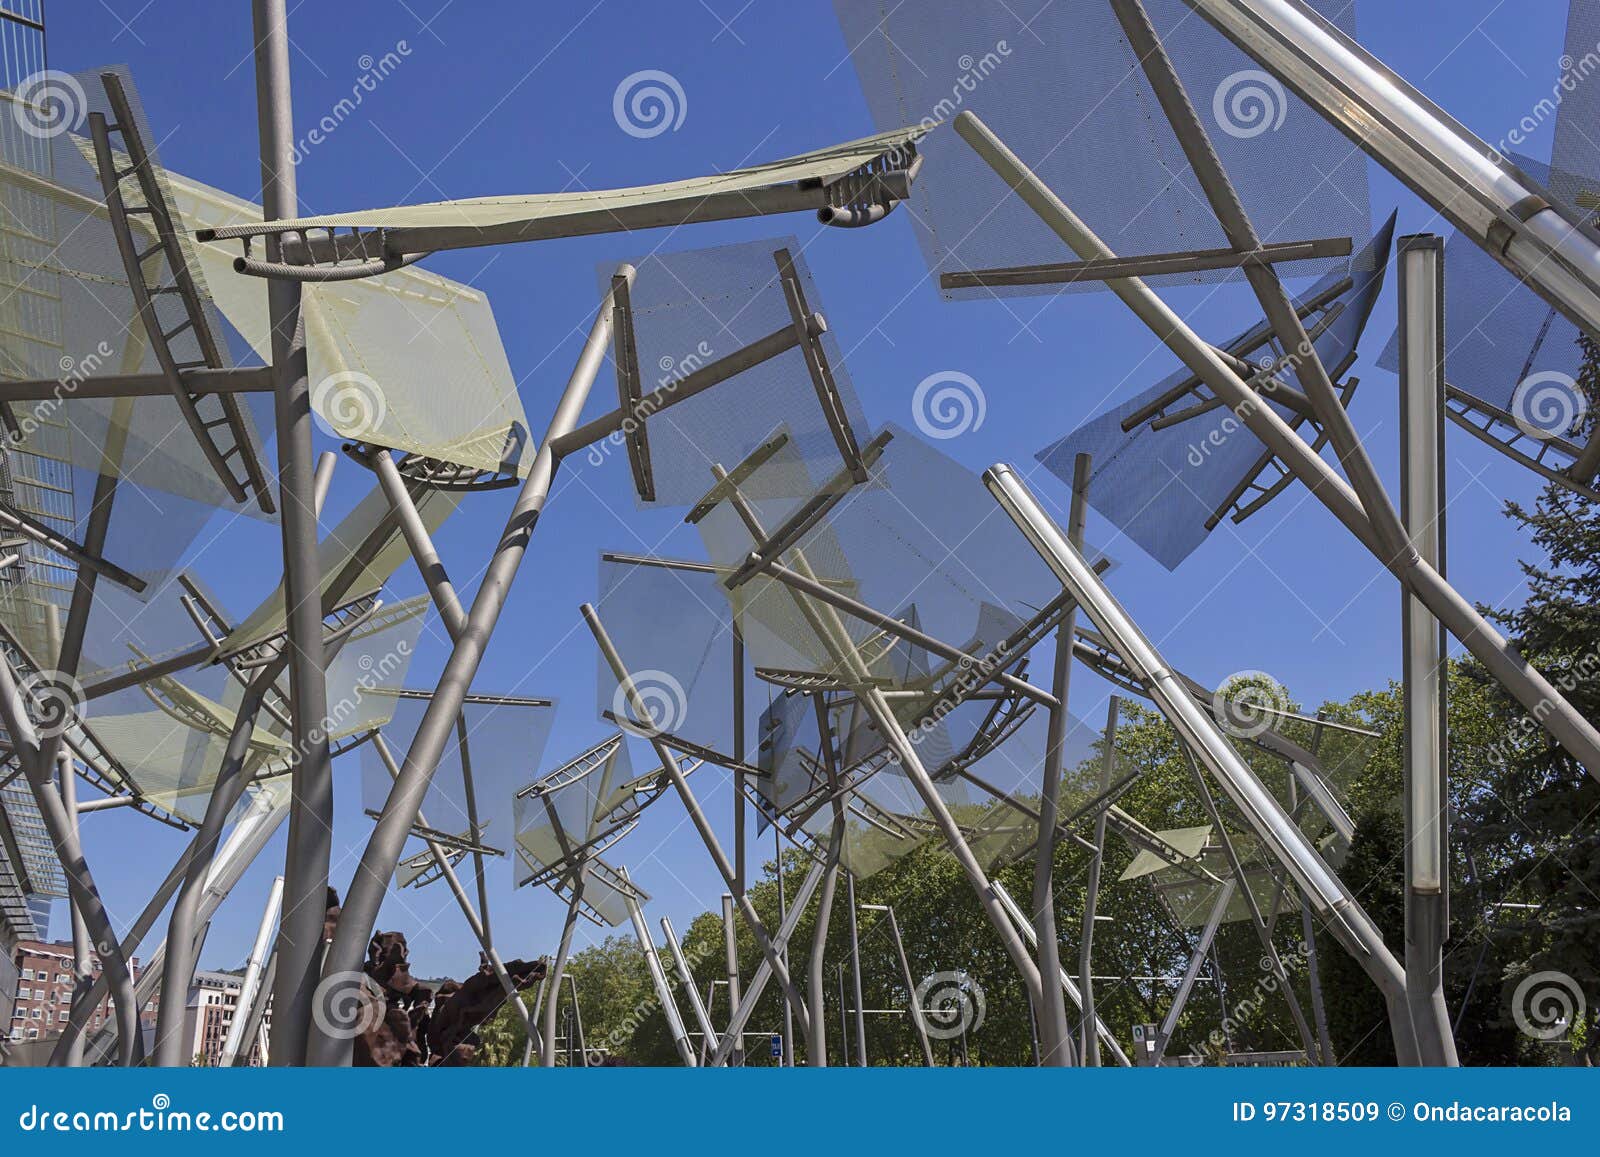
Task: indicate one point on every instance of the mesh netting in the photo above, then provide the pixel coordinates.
(1165, 489)
(674, 631)
(172, 731)
(1059, 84)
(1575, 148)
(693, 308)
(504, 743)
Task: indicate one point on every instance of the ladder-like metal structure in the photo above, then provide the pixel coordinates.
(224, 437)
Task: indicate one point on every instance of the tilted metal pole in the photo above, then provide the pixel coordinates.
(311, 812)
(1014, 912)
(763, 973)
(80, 884)
(387, 842)
(783, 916)
(730, 942)
(1055, 1037)
(82, 948)
(816, 982)
(480, 929)
(658, 977)
(1564, 723)
(1200, 734)
(249, 987)
(913, 1006)
(824, 620)
(1169, 1023)
(1089, 1040)
(702, 1017)
(258, 1008)
(1422, 499)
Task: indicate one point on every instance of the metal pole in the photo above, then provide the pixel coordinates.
(1197, 960)
(913, 1006)
(1421, 262)
(311, 810)
(388, 838)
(658, 977)
(553, 977)
(1089, 1039)
(844, 1025)
(783, 917)
(1014, 912)
(824, 621)
(82, 967)
(855, 972)
(817, 1038)
(258, 1009)
(730, 941)
(249, 987)
(703, 1017)
(1566, 725)
(1202, 736)
(1051, 1021)
(741, 876)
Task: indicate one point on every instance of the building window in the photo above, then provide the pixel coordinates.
(63, 978)
(27, 974)
(33, 1034)
(24, 994)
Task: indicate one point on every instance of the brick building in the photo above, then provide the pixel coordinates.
(44, 991)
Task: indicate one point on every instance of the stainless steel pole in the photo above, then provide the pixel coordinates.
(658, 977)
(1089, 1039)
(553, 977)
(310, 843)
(1055, 1036)
(1422, 417)
(855, 972)
(249, 987)
(702, 1017)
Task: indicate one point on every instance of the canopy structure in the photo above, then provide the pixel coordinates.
(1172, 462)
(1020, 66)
(847, 184)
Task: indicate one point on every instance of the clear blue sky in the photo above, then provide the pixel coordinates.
(499, 97)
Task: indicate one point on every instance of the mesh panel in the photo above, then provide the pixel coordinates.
(69, 283)
(923, 537)
(379, 349)
(504, 743)
(1167, 488)
(674, 631)
(1576, 149)
(173, 731)
(691, 309)
(1059, 84)
(336, 551)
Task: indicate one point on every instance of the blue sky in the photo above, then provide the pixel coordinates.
(501, 97)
